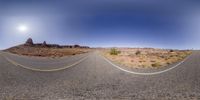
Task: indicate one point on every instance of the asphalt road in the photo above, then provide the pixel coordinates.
(95, 78)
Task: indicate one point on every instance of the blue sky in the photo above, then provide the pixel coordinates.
(102, 23)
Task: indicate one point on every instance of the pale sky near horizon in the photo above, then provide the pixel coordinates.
(102, 23)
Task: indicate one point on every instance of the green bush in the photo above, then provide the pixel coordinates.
(114, 51)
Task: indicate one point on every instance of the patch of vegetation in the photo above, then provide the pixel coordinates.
(114, 51)
(162, 56)
(171, 50)
(168, 63)
(157, 64)
(152, 61)
(138, 52)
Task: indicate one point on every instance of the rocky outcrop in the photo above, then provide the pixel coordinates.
(44, 44)
(76, 46)
(29, 42)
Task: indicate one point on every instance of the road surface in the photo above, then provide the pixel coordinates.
(94, 78)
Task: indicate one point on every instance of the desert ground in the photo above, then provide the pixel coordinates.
(46, 51)
(29, 48)
(144, 57)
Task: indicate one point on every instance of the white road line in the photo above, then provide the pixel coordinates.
(141, 73)
(41, 70)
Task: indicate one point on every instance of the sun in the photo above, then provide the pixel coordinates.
(22, 28)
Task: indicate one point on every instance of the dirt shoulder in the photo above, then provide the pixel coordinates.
(145, 57)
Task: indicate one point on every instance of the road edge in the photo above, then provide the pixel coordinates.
(43, 70)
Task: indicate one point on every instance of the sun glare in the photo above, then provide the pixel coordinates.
(22, 28)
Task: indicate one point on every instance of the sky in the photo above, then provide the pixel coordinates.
(102, 23)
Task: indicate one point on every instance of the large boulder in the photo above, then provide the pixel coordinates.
(29, 42)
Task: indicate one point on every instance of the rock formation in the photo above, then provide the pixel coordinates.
(76, 46)
(29, 42)
(44, 44)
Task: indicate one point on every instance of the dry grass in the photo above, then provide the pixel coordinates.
(47, 52)
(146, 57)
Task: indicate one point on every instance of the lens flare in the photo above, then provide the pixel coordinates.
(22, 28)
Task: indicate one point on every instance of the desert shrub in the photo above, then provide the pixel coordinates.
(140, 61)
(168, 63)
(114, 51)
(152, 61)
(138, 52)
(171, 56)
(162, 56)
(171, 50)
(157, 64)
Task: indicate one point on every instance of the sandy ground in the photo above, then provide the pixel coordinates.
(47, 52)
(146, 58)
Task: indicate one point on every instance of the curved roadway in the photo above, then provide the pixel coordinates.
(95, 78)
